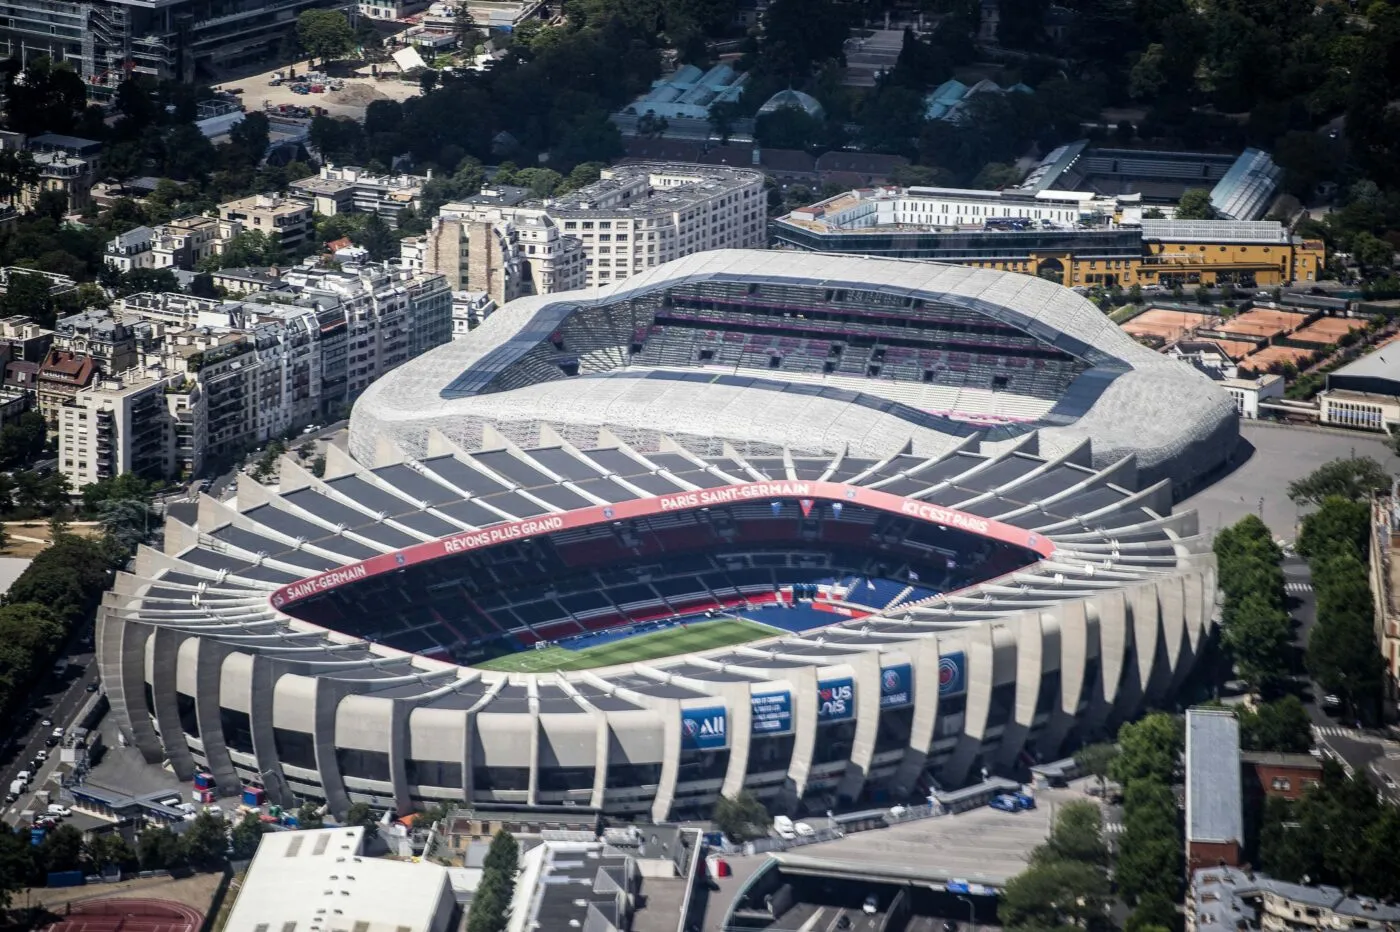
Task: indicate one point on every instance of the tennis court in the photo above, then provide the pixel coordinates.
(682, 639)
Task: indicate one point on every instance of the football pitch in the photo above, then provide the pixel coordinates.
(703, 635)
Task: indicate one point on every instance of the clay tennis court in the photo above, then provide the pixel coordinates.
(1235, 349)
(1263, 323)
(1327, 330)
(1169, 325)
(1269, 355)
(129, 915)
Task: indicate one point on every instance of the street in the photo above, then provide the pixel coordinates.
(58, 700)
(1372, 752)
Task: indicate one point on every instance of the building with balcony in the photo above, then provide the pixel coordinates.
(69, 175)
(21, 338)
(284, 220)
(61, 376)
(184, 242)
(637, 216)
(1072, 238)
(102, 40)
(129, 423)
(349, 189)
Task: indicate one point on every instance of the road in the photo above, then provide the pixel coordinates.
(59, 701)
(1360, 751)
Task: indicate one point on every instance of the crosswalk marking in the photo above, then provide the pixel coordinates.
(1334, 731)
(1297, 587)
(1113, 828)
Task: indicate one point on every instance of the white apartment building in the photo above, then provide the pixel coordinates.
(144, 422)
(469, 309)
(131, 250)
(633, 218)
(642, 215)
(233, 374)
(951, 208)
(1248, 393)
(351, 189)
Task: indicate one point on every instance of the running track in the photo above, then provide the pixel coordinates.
(129, 915)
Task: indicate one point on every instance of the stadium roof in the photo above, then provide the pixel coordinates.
(1131, 402)
(221, 570)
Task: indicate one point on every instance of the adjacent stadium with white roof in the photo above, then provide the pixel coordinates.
(944, 494)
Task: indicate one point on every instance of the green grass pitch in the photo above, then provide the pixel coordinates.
(704, 635)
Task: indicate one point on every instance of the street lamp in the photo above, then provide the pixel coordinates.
(971, 909)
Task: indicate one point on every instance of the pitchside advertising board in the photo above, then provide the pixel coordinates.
(897, 686)
(952, 674)
(836, 700)
(772, 713)
(704, 729)
(834, 493)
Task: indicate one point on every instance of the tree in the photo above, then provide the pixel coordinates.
(16, 865)
(1153, 912)
(492, 901)
(1373, 253)
(1354, 478)
(159, 849)
(205, 842)
(1149, 853)
(1149, 749)
(1195, 205)
(1056, 894)
(18, 171)
(742, 816)
(309, 815)
(50, 203)
(108, 849)
(1259, 636)
(503, 856)
(1077, 835)
(464, 25)
(378, 239)
(1096, 760)
(362, 815)
(325, 34)
(1338, 523)
(1280, 726)
(245, 836)
(61, 849)
(29, 296)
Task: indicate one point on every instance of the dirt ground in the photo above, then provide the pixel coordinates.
(27, 538)
(351, 100)
(196, 891)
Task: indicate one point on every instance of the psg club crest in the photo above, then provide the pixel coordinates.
(891, 679)
(607, 512)
(400, 559)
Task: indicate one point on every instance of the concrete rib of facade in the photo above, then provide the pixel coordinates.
(1128, 400)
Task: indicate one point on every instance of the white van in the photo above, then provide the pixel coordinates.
(23, 777)
(804, 830)
(56, 810)
(783, 826)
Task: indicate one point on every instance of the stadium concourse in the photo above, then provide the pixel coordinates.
(717, 610)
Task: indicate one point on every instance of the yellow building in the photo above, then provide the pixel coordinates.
(1071, 238)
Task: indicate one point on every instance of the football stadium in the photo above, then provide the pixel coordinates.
(834, 530)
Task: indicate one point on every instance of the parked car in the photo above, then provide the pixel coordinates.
(871, 906)
(804, 830)
(50, 742)
(783, 826)
(56, 810)
(1005, 803)
(46, 723)
(41, 757)
(58, 732)
(92, 687)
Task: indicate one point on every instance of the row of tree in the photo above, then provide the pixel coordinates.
(1066, 884)
(1342, 654)
(490, 909)
(1255, 625)
(1338, 833)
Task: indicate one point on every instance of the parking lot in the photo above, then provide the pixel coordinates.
(982, 845)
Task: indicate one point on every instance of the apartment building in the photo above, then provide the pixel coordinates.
(69, 175)
(141, 422)
(131, 250)
(350, 189)
(21, 338)
(59, 377)
(634, 217)
(103, 39)
(233, 374)
(642, 215)
(109, 341)
(286, 221)
(184, 242)
(1070, 237)
(1228, 899)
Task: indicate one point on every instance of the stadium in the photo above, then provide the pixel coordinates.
(833, 530)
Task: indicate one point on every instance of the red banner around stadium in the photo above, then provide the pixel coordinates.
(638, 508)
